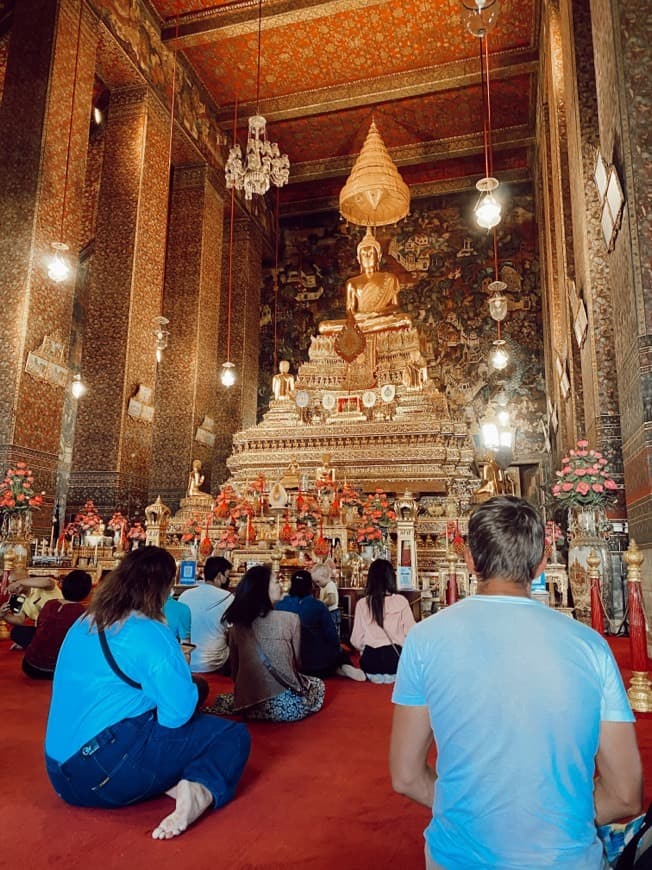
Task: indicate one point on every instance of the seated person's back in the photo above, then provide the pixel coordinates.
(320, 645)
(207, 603)
(55, 618)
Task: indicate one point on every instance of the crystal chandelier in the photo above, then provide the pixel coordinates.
(263, 163)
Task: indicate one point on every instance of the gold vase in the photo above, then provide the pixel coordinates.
(587, 529)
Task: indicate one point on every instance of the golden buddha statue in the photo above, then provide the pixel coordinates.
(371, 296)
(283, 382)
(494, 482)
(195, 480)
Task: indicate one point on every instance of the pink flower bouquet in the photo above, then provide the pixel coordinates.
(584, 479)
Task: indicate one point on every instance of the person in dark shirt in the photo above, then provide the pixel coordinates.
(321, 653)
(54, 620)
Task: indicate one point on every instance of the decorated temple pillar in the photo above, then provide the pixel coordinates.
(113, 438)
(589, 300)
(237, 404)
(623, 56)
(44, 124)
(185, 424)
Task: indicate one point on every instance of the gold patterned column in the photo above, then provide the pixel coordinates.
(113, 438)
(44, 124)
(186, 400)
(238, 404)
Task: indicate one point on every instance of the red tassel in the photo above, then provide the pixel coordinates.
(451, 589)
(597, 613)
(637, 641)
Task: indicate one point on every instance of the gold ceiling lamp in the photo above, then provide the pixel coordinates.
(374, 193)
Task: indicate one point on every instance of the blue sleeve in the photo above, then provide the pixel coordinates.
(185, 619)
(409, 688)
(166, 678)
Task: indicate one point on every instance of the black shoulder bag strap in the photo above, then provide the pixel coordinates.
(115, 667)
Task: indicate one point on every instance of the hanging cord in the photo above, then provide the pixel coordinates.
(72, 111)
(489, 134)
(276, 242)
(260, 22)
(485, 135)
(231, 222)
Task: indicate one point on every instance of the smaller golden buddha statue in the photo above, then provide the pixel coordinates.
(494, 482)
(195, 480)
(283, 382)
(415, 374)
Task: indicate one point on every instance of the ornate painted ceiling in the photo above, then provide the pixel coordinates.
(329, 66)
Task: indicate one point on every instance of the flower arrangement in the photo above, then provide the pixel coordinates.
(228, 539)
(308, 511)
(225, 502)
(17, 490)
(377, 516)
(349, 496)
(136, 532)
(88, 518)
(584, 479)
(369, 533)
(69, 531)
(192, 529)
(302, 538)
(243, 510)
(117, 522)
(257, 485)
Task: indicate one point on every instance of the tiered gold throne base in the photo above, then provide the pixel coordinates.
(379, 420)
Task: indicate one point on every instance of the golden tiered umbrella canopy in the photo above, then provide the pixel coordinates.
(374, 193)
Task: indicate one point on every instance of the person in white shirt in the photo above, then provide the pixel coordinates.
(328, 592)
(207, 603)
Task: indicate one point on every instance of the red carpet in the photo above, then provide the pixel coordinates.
(315, 794)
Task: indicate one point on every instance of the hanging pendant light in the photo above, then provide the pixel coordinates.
(228, 373)
(499, 357)
(77, 387)
(487, 210)
(161, 336)
(497, 301)
(263, 163)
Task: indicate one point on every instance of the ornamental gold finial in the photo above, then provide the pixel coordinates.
(593, 564)
(633, 558)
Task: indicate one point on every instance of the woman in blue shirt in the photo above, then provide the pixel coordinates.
(123, 725)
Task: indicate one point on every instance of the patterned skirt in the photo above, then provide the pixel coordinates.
(289, 706)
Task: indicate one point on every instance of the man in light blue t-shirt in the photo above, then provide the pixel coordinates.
(522, 702)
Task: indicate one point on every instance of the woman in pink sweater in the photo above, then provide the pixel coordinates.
(382, 621)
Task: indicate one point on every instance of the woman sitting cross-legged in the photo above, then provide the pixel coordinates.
(123, 725)
(264, 647)
(321, 653)
(381, 623)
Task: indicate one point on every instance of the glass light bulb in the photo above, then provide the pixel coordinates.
(58, 269)
(488, 212)
(77, 388)
(498, 358)
(227, 376)
(490, 437)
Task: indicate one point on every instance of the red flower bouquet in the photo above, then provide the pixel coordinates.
(88, 519)
(17, 490)
(136, 532)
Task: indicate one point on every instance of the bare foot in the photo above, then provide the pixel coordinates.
(192, 800)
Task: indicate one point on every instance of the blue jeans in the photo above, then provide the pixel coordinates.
(137, 758)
